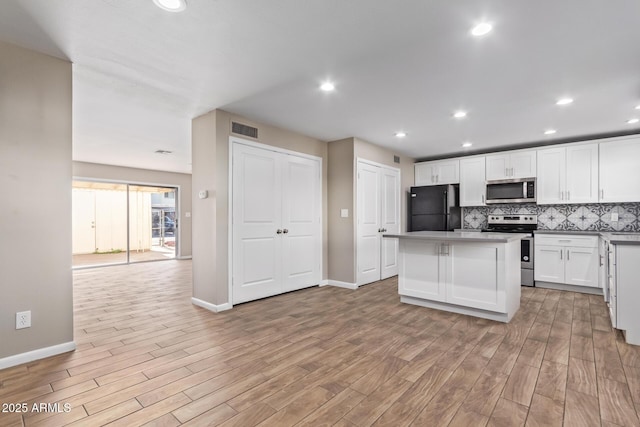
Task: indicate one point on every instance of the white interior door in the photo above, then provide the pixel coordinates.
(84, 221)
(368, 228)
(390, 220)
(300, 222)
(257, 213)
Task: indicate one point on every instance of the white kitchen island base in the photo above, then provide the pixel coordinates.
(476, 274)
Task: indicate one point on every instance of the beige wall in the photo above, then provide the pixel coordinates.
(94, 171)
(341, 191)
(210, 151)
(35, 185)
(343, 155)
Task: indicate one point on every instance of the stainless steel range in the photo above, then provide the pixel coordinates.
(519, 223)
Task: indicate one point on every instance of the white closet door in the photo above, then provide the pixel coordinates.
(257, 212)
(390, 220)
(300, 222)
(368, 234)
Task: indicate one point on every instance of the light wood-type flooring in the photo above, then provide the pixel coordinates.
(324, 356)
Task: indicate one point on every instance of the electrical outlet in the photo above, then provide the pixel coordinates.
(23, 319)
(614, 216)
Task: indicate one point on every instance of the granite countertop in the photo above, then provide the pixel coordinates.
(614, 237)
(459, 236)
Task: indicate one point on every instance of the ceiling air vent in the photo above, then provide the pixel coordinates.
(245, 130)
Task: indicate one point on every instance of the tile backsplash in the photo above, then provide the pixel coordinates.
(596, 217)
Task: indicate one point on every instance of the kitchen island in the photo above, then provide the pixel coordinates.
(476, 274)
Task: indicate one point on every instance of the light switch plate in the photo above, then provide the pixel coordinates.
(187, 214)
(614, 216)
(344, 213)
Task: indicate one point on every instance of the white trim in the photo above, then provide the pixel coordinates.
(211, 307)
(380, 165)
(340, 284)
(570, 288)
(41, 353)
(323, 282)
(453, 308)
(185, 257)
(236, 140)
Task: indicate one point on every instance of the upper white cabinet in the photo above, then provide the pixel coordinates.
(511, 164)
(568, 174)
(437, 172)
(472, 181)
(619, 171)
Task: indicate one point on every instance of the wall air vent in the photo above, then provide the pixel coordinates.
(245, 130)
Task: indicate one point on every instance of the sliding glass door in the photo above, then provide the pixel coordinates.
(117, 223)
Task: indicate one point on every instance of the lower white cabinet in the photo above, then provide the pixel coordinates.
(567, 259)
(473, 275)
(625, 292)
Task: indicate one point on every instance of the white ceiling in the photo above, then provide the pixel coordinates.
(141, 74)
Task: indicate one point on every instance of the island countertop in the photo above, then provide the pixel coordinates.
(459, 236)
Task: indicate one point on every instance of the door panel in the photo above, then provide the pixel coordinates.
(581, 266)
(582, 173)
(368, 236)
(523, 164)
(390, 221)
(257, 205)
(475, 277)
(422, 270)
(84, 221)
(549, 263)
(551, 176)
(301, 220)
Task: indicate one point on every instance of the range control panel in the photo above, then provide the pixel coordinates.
(519, 219)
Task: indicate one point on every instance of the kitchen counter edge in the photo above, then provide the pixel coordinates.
(454, 236)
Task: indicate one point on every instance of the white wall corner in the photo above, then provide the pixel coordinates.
(41, 353)
(345, 285)
(211, 307)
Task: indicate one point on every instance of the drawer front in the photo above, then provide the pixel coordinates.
(567, 240)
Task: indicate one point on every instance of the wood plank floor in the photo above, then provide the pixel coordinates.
(324, 356)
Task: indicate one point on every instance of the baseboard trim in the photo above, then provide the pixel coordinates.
(340, 284)
(324, 282)
(571, 288)
(211, 307)
(41, 353)
(185, 257)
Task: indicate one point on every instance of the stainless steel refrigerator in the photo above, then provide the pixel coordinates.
(434, 207)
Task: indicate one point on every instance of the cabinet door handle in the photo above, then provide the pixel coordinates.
(601, 194)
(437, 178)
(601, 260)
(279, 231)
(285, 231)
(483, 199)
(568, 195)
(568, 254)
(560, 253)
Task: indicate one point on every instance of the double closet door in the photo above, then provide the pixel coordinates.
(276, 215)
(378, 212)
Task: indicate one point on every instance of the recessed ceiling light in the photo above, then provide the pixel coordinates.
(401, 134)
(467, 144)
(163, 152)
(327, 86)
(481, 29)
(564, 101)
(171, 5)
(460, 114)
(550, 131)
(633, 121)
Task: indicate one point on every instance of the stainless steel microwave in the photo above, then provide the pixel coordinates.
(522, 190)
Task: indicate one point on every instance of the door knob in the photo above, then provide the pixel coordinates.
(285, 231)
(279, 231)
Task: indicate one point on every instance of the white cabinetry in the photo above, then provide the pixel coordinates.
(378, 212)
(625, 292)
(438, 172)
(567, 259)
(276, 211)
(472, 181)
(619, 171)
(464, 277)
(568, 174)
(511, 164)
